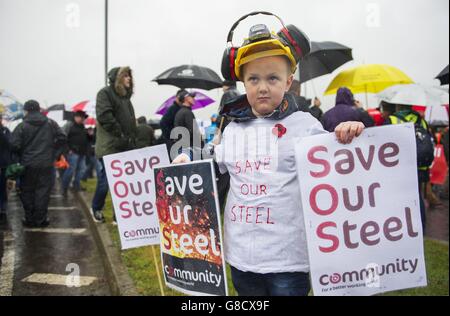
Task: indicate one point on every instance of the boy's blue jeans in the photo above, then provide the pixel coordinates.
(101, 191)
(271, 284)
(76, 169)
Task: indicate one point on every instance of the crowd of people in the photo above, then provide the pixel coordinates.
(28, 154)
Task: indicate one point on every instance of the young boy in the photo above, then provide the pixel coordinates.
(264, 235)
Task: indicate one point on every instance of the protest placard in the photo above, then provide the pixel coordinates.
(191, 242)
(362, 211)
(131, 182)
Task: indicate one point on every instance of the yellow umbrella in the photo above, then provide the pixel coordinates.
(368, 79)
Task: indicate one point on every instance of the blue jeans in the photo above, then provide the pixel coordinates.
(271, 284)
(101, 190)
(91, 162)
(76, 169)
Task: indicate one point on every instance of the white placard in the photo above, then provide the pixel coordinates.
(131, 183)
(362, 212)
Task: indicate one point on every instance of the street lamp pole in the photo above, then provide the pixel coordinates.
(106, 42)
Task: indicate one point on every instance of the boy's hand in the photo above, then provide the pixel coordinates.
(182, 158)
(345, 132)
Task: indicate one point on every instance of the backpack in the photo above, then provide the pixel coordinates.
(425, 147)
(424, 141)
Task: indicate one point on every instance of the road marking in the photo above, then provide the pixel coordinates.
(57, 230)
(8, 236)
(7, 265)
(57, 279)
(56, 196)
(62, 208)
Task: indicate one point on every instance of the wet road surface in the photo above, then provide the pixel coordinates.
(61, 259)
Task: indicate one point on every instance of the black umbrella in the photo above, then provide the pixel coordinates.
(67, 115)
(324, 58)
(190, 76)
(443, 76)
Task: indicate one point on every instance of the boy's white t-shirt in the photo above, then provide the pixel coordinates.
(264, 228)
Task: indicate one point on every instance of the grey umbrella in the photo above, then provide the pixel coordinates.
(324, 58)
(190, 76)
(443, 76)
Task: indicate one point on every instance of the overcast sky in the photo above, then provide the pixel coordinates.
(53, 50)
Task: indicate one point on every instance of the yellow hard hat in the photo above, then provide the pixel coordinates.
(265, 48)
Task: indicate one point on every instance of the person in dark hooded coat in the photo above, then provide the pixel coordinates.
(116, 121)
(116, 128)
(37, 141)
(344, 111)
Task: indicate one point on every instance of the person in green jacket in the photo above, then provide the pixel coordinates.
(116, 128)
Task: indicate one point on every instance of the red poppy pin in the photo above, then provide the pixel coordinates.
(279, 130)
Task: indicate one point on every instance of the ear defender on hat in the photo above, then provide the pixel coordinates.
(289, 42)
(228, 63)
(297, 41)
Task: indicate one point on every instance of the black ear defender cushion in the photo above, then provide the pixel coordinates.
(297, 41)
(228, 62)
